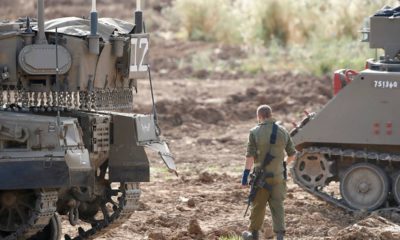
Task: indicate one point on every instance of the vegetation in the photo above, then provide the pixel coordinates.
(305, 35)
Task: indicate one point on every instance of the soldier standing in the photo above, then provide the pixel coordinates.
(268, 138)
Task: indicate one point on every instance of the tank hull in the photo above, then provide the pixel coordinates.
(355, 135)
(363, 114)
(68, 145)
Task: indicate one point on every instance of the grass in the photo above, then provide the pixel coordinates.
(207, 20)
(306, 35)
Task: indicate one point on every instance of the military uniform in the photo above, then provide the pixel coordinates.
(258, 146)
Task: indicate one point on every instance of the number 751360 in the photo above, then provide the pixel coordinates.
(385, 84)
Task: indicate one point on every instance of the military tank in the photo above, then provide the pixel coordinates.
(354, 140)
(70, 142)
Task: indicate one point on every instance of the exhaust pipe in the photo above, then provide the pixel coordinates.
(41, 37)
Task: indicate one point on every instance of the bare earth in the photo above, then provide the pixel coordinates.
(206, 121)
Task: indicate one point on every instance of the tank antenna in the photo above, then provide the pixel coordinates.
(138, 5)
(41, 38)
(138, 17)
(57, 81)
(94, 6)
(57, 69)
(93, 19)
(94, 38)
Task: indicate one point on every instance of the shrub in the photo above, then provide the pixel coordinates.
(305, 35)
(207, 20)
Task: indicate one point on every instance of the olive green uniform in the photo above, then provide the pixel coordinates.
(257, 147)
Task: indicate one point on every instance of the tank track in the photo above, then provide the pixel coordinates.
(128, 203)
(337, 152)
(45, 208)
(98, 99)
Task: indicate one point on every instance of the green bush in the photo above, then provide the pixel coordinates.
(304, 35)
(275, 22)
(207, 20)
(287, 21)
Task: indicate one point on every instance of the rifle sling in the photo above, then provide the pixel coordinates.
(272, 141)
(267, 160)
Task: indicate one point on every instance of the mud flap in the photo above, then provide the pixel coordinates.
(162, 149)
(147, 137)
(128, 161)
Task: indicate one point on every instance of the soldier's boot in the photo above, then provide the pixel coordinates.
(280, 235)
(246, 235)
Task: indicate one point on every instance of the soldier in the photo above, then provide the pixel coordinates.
(266, 137)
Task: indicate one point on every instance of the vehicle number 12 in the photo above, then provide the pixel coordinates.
(385, 84)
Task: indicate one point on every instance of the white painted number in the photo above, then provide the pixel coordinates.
(386, 84)
(139, 56)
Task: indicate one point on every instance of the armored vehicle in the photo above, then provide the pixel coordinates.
(70, 143)
(354, 140)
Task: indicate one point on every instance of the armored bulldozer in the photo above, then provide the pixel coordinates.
(70, 143)
(354, 140)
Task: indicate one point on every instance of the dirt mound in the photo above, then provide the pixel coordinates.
(373, 227)
(194, 228)
(288, 95)
(208, 115)
(206, 177)
(285, 93)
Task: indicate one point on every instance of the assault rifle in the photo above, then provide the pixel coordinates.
(257, 181)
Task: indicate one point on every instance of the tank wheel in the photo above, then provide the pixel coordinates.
(52, 231)
(396, 187)
(364, 186)
(15, 209)
(312, 169)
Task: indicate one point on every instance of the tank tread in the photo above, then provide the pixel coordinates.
(127, 205)
(45, 208)
(337, 152)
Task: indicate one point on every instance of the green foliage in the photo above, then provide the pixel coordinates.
(305, 35)
(275, 22)
(207, 20)
(328, 56)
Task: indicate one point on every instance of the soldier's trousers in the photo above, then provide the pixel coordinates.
(275, 201)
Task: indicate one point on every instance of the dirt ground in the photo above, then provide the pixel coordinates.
(206, 123)
(206, 116)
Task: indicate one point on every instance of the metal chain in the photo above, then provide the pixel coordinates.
(54, 102)
(8, 95)
(1, 97)
(99, 99)
(69, 100)
(48, 99)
